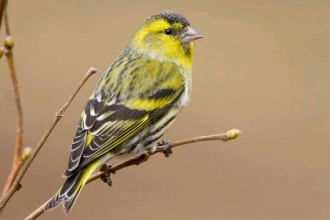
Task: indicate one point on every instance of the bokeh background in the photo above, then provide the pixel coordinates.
(263, 67)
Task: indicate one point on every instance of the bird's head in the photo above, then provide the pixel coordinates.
(166, 36)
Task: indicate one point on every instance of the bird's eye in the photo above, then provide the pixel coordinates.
(168, 31)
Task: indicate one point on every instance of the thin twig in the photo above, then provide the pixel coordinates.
(16, 185)
(17, 161)
(230, 135)
(3, 4)
(5, 16)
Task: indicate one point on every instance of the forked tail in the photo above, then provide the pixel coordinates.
(69, 192)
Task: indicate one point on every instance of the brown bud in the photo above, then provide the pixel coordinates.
(9, 43)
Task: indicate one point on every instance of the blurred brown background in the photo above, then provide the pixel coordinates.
(262, 67)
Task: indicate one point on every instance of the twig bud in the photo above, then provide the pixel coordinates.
(233, 133)
(26, 153)
(9, 43)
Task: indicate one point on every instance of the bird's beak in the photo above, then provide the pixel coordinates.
(189, 35)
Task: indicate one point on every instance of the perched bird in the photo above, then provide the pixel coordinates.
(135, 102)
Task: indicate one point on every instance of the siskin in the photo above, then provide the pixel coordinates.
(135, 102)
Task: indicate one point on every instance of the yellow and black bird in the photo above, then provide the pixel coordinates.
(135, 102)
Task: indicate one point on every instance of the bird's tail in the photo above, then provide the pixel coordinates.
(69, 192)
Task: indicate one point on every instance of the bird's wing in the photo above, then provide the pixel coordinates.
(107, 123)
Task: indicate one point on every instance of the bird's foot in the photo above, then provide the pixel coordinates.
(105, 177)
(163, 146)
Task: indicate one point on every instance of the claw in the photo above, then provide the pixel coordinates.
(165, 147)
(105, 177)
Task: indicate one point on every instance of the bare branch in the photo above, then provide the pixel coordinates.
(6, 20)
(16, 185)
(230, 135)
(39, 211)
(17, 161)
(3, 4)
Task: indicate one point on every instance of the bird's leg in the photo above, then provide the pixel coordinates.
(105, 177)
(163, 146)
